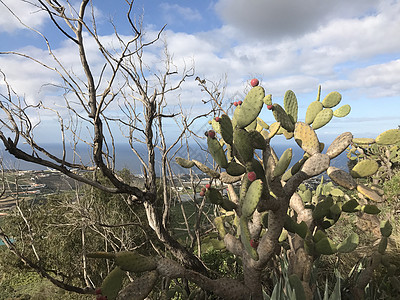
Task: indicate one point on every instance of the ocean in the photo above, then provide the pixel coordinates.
(125, 158)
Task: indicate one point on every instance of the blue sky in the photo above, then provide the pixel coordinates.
(348, 46)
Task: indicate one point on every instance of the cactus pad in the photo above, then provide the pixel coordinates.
(391, 136)
(349, 244)
(332, 99)
(282, 117)
(253, 196)
(363, 141)
(257, 140)
(341, 178)
(242, 141)
(246, 113)
(322, 208)
(217, 152)
(184, 162)
(316, 164)
(283, 162)
(202, 167)
(226, 129)
(306, 138)
(322, 118)
(364, 168)
(267, 99)
(369, 193)
(386, 228)
(226, 178)
(339, 144)
(326, 246)
(290, 105)
(350, 206)
(313, 109)
(112, 284)
(134, 262)
(273, 129)
(245, 237)
(370, 209)
(342, 111)
(214, 196)
(235, 169)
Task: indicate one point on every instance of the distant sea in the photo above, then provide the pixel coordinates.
(125, 158)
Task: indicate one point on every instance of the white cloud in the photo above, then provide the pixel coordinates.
(26, 12)
(273, 19)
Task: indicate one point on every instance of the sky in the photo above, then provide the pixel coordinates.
(352, 47)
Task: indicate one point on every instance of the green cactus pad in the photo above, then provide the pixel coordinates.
(226, 129)
(283, 236)
(322, 208)
(386, 228)
(246, 113)
(184, 162)
(326, 246)
(245, 237)
(226, 178)
(351, 206)
(112, 284)
(235, 169)
(316, 164)
(341, 178)
(306, 196)
(289, 224)
(342, 111)
(297, 286)
(312, 111)
(219, 224)
(134, 262)
(383, 245)
(283, 162)
(306, 138)
(319, 235)
(332, 99)
(389, 137)
(294, 169)
(214, 196)
(217, 152)
(227, 204)
(302, 229)
(370, 209)
(253, 196)
(363, 141)
(242, 142)
(349, 244)
(322, 118)
(369, 193)
(364, 168)
(282, 117)
(202, 167)
(339, 145)
(290, 105)
(267, 99)
(140, 287)
(257, 167)
(257, 140)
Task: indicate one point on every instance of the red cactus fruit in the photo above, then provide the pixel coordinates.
(202, 193)
(217, 119)
(269, 107)
(240, 102)
(254, 82)
(235, 103)
(208, 186)
(98, 291)
(211, 134)
(251, 176)
(254, 243)
(203, 189)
